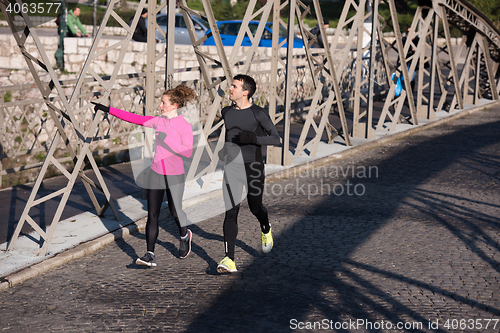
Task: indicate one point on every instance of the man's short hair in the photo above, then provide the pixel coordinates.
(248, 83)
(76, 7)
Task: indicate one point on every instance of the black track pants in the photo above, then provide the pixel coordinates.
(234, 181)
(175, 190)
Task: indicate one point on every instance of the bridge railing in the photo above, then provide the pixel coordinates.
(27, 127)
(441, 83)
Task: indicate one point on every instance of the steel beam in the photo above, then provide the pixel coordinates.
(331, 72)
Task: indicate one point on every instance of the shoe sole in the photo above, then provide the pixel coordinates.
(144, 263)
(267, 250)
(189, 248)
(264, 248)
(224, 269)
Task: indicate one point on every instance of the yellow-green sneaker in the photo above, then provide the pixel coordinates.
(267, 241)
(226, 266)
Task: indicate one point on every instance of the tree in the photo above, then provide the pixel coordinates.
(490, 8)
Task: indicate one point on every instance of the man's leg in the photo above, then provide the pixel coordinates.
(230, 229)
(232, 189)
(255, 181)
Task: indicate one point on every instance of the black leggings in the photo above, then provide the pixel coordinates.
(175, 191)
(233, 187)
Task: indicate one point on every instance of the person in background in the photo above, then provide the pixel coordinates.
(73, 23)
(316, 32)
(174, 141)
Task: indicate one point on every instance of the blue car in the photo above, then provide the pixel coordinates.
(229, 31)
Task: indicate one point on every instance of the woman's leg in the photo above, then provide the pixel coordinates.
(154, 201)
(175, 192)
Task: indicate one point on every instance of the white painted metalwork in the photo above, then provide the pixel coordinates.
(354, 79)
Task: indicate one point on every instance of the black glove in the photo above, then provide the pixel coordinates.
(161, 136)
(101, 107)
(246, 137)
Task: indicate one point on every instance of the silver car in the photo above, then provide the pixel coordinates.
(181, 31)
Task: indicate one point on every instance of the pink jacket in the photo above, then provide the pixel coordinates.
(177, 144)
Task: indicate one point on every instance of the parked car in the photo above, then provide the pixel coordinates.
(229, 31)
(181, 31)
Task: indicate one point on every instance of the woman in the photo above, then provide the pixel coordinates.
(174, 140)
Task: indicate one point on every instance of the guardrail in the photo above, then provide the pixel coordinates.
(27, 127)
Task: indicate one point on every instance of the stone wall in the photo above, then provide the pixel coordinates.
(14, 70)
(76, 51)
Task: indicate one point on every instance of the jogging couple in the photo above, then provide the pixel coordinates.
(248, 128)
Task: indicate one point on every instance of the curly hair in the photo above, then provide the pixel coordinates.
(180, 95)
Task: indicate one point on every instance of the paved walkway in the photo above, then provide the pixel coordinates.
(400, 234)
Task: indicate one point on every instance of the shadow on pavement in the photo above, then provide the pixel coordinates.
(320, 269)
(118, 179)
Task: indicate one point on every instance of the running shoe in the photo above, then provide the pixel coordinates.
(147, 260)
(267, 241)
(185, 245)
(226, 266)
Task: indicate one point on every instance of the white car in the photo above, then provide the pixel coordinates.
(181, 31)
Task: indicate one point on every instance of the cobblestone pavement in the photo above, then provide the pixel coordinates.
(404, 234)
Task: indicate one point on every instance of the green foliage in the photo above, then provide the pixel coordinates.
(40, 157)
(490, 8)
(240, 8)
(329, 11)
(7, 97)
(222, 10)
(196, 5)
(109, 159)
(87, 15)
(97, 159)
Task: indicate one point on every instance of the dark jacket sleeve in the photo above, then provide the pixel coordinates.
(141, 31)
(315, 31)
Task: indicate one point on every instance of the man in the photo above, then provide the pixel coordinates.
(141, 31)
(73, 22)
(316, 32)
(245, 125)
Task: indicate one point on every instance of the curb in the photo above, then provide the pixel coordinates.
(91, 246)
(69, 255)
